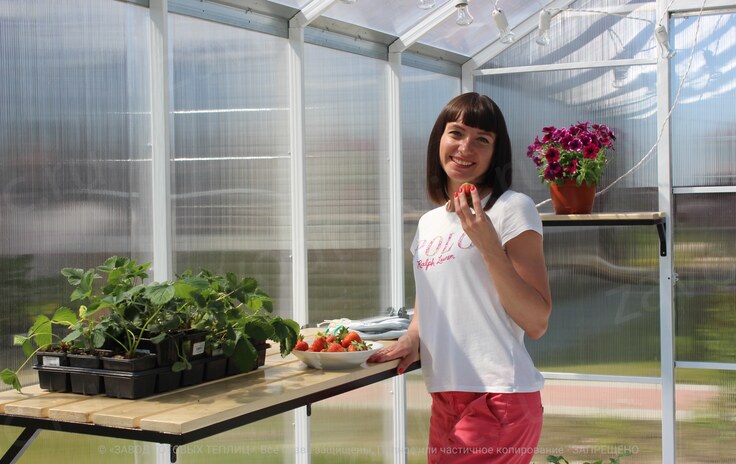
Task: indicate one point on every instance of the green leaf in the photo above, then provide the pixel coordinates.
(187, 288)
(98, 339)
(257, 328)
(180, 366)
(65, 315)
(41, 331)
(87, 281)
(160, 294)
(158, 338)
(77, 294)
(73, 335)
(28, 348)
(19, 340)
(73, 276)
(244, 356)
(10, 378)
(286, 332)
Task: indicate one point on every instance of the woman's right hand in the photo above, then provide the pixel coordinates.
(406, 349)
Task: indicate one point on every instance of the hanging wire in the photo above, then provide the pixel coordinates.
(669, 114)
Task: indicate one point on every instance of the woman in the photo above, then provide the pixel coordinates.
(481, 285)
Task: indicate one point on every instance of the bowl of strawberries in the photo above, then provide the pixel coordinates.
(341, 349)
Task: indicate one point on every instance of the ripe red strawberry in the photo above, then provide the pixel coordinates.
(319, 343)
(466, 188)
(335, 347)
(330, 339)
(350, 338)
(301, 345)
(357, 346)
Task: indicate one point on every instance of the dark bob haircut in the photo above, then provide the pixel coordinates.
(478, 111)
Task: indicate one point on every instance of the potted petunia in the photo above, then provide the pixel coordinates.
(571, 161)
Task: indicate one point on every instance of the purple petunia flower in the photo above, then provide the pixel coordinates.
(553, 171)
(590, 151)
(552, 154)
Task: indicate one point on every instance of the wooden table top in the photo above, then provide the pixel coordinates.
(280, 385)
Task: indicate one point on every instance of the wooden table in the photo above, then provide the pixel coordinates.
(188, 414)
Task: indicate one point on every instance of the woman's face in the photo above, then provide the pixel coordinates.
(465, 153)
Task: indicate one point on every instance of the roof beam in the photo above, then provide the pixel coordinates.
(411, 36)
(310, 12)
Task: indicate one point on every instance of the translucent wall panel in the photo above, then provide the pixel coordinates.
(588, 421)
(230, 146)
(66, 448)
(605, 293)
(423, 95)
(418, 406)
(354, 427)
(531, 101)
(704, 122)
(74, 158)
(585, 32)
(706, 400)
(705, 261)
(347, 184)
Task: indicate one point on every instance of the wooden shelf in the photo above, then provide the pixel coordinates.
(612, 219)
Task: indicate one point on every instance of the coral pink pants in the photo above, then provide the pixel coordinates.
(487, 428)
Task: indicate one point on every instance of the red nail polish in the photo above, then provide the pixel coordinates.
(472, 188)
(455, 194)
(401, 371)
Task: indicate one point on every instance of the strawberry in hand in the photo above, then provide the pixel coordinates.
(466, 188)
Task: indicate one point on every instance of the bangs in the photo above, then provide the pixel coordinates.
(474, 110)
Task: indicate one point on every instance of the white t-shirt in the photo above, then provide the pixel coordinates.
(468, 341)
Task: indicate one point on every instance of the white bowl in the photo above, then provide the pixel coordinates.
(337, 361)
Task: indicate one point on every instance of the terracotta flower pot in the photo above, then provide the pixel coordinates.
(568, 198)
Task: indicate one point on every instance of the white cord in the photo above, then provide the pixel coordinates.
(669, 114)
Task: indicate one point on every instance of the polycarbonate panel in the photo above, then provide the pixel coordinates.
(355, 427)
(704, 120)
(418, 406)
(230, 147)
(589, 421)
(588, 31)
(534, 100)
(266, 441)
(347, 184)
(423, 95)
(705, 262)
(68, 448)
(75, 168)
(469, 40)
(388, 16)
(605, 301)
(706, 401)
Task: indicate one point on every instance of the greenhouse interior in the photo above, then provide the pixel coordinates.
(287, 141)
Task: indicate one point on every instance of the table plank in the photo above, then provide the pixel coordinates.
(130, 414)
(245, 400)
(12, 396)
(81, 412)
(38, 406)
